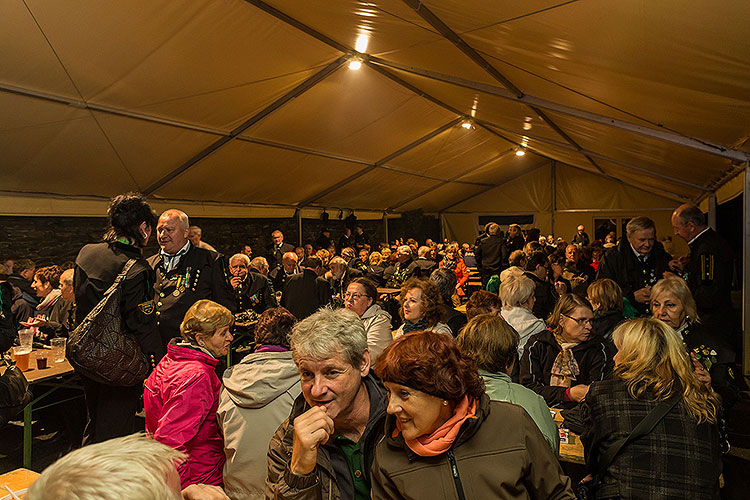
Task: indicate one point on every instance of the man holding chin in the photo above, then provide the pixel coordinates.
(325, 448)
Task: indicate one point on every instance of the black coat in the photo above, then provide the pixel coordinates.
(426, 266)
(622, 266)
(305, 293)
(375, 273)
(678, 459)
(515, 243)
(275, 254)
(706, 337)
(7, 325)
(545, 295)
(539, 355)
(402, 272)
(255, 293)
(491, 255)
(97, 266)
(339, 286)
(709, 275)
(278, 277)
(200, 274)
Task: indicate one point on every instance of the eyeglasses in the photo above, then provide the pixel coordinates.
(580, 321)
(355, 296)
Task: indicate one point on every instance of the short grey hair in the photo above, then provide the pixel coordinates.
(327, 334)
(404, 250)
(494, 229)
(181, 216)
(446, 281)
(639, 224)
(515, 290)
(690, 213)
(195, 230)
(133, 466)
(240, 256)
(67, 277)
(422, 251)
(259, 263)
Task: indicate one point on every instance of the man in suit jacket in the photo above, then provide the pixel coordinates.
(251, 290)
(306, 292)
(277, 251)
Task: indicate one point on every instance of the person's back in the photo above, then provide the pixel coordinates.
(305, 293)
(675, 458)
(257, 396)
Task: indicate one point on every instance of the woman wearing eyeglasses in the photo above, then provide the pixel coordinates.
(360, 297)
(560, 362)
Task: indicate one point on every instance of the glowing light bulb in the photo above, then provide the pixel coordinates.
(355, 64)
(361, 45)
(520, 152)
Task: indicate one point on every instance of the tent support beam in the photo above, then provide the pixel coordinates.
(278, 103)
(746, 271)
(608, 159)
(298, 213)
(662, 135)
(712, 210)
(452, 179)
(553, 175)
(472, 54)
(385, 226)
(379, 163)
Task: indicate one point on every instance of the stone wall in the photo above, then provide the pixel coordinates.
(55, 240)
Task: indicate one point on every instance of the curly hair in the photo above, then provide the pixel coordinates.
(432, 312)
(432, 363)
(125, 214)
(49, 274)
(274, 327)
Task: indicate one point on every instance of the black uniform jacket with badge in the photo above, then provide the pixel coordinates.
(709, 276)
(255, 293)
(200, 274)
(275, 254)
(402, 271)
(622, 266)
(97, 266)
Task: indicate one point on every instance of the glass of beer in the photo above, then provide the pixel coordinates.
(22, 355)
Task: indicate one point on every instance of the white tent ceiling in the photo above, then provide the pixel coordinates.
(252, 103)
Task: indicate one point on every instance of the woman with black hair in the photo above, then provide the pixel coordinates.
(111, 410)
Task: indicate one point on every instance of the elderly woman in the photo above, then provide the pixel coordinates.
(181, 395)
(420, 308)
(680, 457)
(444, 438)
(360, 297)
(672, 302)
(257, 397)
(53, 310)
(492, 343)
(517, 296)
(453, 262)
(605, 296)
(560, 362)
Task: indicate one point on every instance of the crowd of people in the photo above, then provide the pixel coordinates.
(376, 371)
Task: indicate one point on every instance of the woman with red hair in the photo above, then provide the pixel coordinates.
(444, 436)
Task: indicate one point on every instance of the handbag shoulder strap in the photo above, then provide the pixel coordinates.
(643, 428)
(129, 264)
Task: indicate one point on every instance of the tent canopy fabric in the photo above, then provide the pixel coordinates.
(253, 103)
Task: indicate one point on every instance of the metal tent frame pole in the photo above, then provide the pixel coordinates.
(746, 271)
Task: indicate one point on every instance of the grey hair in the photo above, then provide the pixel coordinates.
(639, 224)
(422, 251)
(240, 256)
(195, 230)
(516, 290)
(446, 280)
(327, 334)
(690, 213)
(181, 216)
(259, 263)
(404, 250)
(133, 466)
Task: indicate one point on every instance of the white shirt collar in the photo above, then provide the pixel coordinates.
(698, 235)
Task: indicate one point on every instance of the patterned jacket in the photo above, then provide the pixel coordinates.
(678, 459)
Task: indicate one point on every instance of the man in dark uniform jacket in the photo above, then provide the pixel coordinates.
(252, 291)
(340, 276)
(581, 238)
(637, 263)
(425, 263)
(281, 273)
(278, 249)
(404, 268)
(516, 241)
(184, 275)
(306, 292)
(491, 254)
(708, 271)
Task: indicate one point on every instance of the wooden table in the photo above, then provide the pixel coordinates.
(17, 480)
(55, 376)
(389, 291)
(571, 447)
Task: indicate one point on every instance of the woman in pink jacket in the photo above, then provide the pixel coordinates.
(182, 394)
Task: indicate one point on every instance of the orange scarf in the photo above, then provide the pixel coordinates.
(442, 438)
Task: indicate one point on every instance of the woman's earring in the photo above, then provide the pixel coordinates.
(445, 402)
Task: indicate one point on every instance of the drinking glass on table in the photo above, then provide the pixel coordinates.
(26, 338)
(58, 349)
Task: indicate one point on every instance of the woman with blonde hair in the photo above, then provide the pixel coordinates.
(181, 395)
(517, 296)
(605, 296)
(678, 451)
(560, 362)
(673, 303)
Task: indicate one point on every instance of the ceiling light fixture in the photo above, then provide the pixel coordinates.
(467, 124)
(355, 63)
(520, 151)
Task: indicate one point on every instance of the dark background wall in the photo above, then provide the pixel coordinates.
(55, 240)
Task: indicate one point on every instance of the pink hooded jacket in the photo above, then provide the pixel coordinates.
(180, 399)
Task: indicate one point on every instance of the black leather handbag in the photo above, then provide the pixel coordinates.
(100, 350)
(14, 392)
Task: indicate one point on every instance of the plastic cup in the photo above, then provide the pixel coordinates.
(26, 337)
(22, 355)
(41, 362)
(58, 349)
